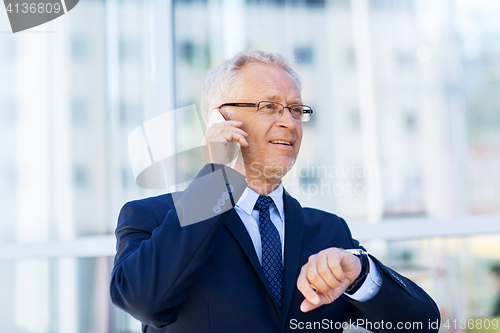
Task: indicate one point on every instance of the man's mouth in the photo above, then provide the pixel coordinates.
(280, 142)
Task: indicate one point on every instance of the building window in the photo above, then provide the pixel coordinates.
(354, 118)
(80, 177)
(350, 57)
(10, 177)
(308, 3)
(78, 48)
(187, 51)
(79, 112)
(129, 112)
(304, 55)
(9, 113)
(410, 121)
(127, 177)
(406, 59)
(129, 50)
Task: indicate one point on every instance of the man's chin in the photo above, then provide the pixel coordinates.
(269, 167)
(278, 167)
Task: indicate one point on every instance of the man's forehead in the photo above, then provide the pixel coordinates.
(266, 73)
(291, 98)
(269, 82)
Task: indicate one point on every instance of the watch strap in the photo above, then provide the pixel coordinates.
(365, 269)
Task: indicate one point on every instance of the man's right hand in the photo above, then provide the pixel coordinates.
(326, 276)
(220, 140)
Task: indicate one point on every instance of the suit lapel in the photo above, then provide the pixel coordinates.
(294, 233)
(240, 234)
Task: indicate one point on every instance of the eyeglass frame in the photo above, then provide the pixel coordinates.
(249, 105)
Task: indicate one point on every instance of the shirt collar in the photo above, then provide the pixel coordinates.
(249, 198)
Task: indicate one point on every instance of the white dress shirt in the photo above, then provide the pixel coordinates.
(250, 217)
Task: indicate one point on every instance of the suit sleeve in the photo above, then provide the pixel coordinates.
(398, 302)
(156, 263)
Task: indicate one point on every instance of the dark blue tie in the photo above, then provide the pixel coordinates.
(271, 250)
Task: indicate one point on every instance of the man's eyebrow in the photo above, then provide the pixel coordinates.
(271, 98)
(276, 98)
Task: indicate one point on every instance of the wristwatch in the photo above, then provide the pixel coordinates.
(365, 269)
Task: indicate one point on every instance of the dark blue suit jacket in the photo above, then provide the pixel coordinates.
(206, 277)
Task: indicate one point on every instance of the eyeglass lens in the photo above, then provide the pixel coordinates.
(276, 109)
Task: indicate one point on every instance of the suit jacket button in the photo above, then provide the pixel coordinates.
(231, 188)
(221, 202)
(225, 195)
(217, 209)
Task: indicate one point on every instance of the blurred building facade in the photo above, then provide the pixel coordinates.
(406, 124)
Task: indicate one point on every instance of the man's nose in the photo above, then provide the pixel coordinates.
(286, 120)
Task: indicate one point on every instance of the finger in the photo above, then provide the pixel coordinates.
(316, 278)
(221, 134)
(325, 271)
(225, 135)
(231, 129)
(333, 263)
(226, 124)
(237, 130)
(305, 288)
(307, 306)
(231, 136)
(351, 265)
(214, 132)
(216, 129)
(236, 123)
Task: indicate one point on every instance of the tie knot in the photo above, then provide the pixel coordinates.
(263, 203)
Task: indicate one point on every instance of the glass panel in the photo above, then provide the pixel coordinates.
(62, 295)
(460, 273)
(406, 124)
(373, 72)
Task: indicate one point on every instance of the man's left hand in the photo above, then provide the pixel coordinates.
(326, 276)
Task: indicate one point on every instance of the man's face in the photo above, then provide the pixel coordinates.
(265, 155)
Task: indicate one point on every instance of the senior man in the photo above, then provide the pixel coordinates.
(263, 264)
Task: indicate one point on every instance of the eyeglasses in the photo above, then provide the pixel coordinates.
(275, 110)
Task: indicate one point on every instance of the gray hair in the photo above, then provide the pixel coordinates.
(219, 81)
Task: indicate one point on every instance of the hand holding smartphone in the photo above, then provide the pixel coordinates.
(223, 140)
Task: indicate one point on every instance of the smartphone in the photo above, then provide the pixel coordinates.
(233, 148)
